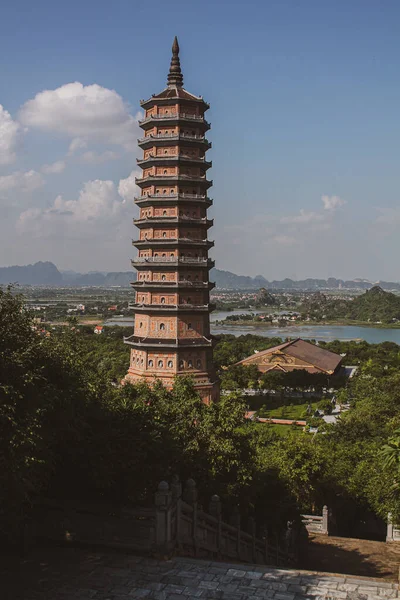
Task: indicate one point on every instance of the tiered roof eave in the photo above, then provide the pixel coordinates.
(173, 92)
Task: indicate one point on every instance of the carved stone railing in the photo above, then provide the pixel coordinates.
(317, 523)
(183, 527)
(175, 524)
(393, 530)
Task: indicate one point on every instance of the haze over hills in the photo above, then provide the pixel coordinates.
(46, 273)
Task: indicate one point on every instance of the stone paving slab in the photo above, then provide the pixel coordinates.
(84, 575)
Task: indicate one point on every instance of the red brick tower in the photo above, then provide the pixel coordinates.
(172, 309)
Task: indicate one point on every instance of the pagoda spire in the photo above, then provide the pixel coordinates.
(175, 76)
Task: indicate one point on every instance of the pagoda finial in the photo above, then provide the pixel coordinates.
(175, 76)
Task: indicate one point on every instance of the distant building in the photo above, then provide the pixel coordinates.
(113, 308)
(98, 329)
(296, 354)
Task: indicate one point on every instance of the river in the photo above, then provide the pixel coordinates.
(373, 335)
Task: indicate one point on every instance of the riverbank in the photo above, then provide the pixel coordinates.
(341, 323)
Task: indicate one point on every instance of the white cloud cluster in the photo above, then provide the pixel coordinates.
(101, 207)
(127, 188)
(272, 229)
(54, 168)
(20, 182)
(303, 217)
(76, 144)
(89, 112)
(9, 133)
(332, 202)
(96, 158)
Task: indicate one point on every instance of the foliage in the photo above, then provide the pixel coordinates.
(325, 405)
(375, 305)
(67, 433)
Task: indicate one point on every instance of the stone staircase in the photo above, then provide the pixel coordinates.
(73, 573)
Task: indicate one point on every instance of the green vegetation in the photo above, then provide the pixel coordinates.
(375, 306)
(291, 411)
(67, 431)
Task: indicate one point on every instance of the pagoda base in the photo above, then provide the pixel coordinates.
(207, 390)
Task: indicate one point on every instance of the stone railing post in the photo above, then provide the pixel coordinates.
(190, 492)
(176, 492)
(252, 531)
(176, 488)
(266, 549)
(325, 520)
(389, 531)
(235, 522)
(163, 502)
(215, 510)
(190, 497)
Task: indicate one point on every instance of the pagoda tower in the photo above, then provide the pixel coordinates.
(172, 307)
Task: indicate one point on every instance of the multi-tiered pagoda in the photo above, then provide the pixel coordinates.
(172, 308)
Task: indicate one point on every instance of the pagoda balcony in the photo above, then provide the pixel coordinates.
(168, 242)
(147, 342)
(173, 285)
(165, 139)
(171, 199)
(175, 118)
(140, 307)
(173, 261)
(182, 219)
(175, 179)
(173, 159)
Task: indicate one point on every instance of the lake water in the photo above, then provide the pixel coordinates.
(317, 332)
(326, 333)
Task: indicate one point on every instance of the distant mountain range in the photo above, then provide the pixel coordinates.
(46, 273)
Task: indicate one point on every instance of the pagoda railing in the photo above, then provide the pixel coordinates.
(171, 259)
(176, 176)
(174, 115)
(188, 196)
(177, 136)
(167, 157)
(172, 241)
(174, 306)
(172, 342)
(174, 219)
(177, 284)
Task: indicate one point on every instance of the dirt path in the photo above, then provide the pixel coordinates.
(353, 556)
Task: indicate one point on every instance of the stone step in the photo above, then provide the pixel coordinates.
(254, 582)
(72, 574)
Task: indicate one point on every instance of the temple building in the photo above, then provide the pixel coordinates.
(296, 354)
(172, 306)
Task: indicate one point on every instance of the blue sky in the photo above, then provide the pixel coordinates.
(305, 130)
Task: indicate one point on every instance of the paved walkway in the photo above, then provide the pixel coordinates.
(76, 574)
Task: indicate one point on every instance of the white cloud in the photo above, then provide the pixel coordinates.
(76, 144)
(95, 158)
(56, 167)
(98, 211)
(332, 202)
(389, 217)
(9, 132)
(283, 240)
(20, 182)
(127, 188)
(303, 217)
(89, 112)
